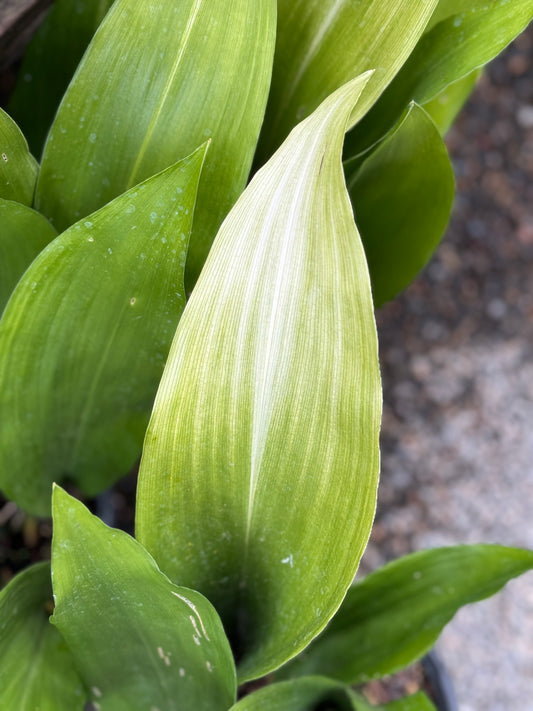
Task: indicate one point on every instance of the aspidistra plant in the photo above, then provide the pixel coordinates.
(259, 401)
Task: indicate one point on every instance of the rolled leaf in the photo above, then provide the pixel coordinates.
(139, 642)
(402, 198)
(322, 44)
(444, 108)
(394, 615)
(18, 168)
(85, 336)
(307, 694)
(453, 48)
(49, 63)
(157, 80)
(36, 667)
(23, 234)
(259, 470)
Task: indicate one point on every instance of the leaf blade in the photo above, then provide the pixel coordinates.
(123, 128)
(109, 287)
(280, 323)
(18, 168)
(322, 45)
(394, 615)
(138, 640)
(402, 198)
(49, 63)
(451, 49)
(36, 668)
(25, 233)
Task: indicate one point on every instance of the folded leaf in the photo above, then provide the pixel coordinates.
(322, 44)
(49, 63)
(444, 108)
(23, 234)
(139, 641)
(36, 668)
(259, 470)
(394, 616)
(158, 80)
(85, 336)
(18, 168)
(307, 694)
(402, 198)
(451, 49)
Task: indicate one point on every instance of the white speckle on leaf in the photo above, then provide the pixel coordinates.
(92, 138)
(96, 692)
(288, 560)
(88, 224)
(209, 666)
(90, 239)
(132, 300)
(196, 640)
(4, 157)
(417, 575)
(182, 671)
(160, 652)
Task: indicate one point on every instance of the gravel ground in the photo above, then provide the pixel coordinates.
(457, 364)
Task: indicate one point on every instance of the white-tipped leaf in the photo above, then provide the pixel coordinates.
(260, 466)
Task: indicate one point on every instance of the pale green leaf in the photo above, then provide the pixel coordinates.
(453, 48)
(402, 198)
(23, 234)
(139, 642)
(394, 616)
(158, 80)
(259, 470)
(444, 108)
(306, 694)
(36, 668)
(49, 63)
(18, 168)
(321, 44)
(85, 336)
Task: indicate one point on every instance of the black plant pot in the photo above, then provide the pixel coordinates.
(439, 682)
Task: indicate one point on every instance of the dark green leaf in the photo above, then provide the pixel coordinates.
(23, 234)
(322, 44)
(18, 168)
(454, 47)
(158, 80)
(393, 616)
(36, 668)
(139, 642)
(85, 337)
(402, 198)
(259, 470)
(49, 63)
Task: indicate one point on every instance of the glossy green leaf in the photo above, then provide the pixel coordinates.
(139, 642)
(449, 51)
(49, 63)
(259, 470)
(36, 668)
(158, 80)
(306, 694)
(402, 198)
(394, 615)
(85, 336)
(321, 44)
(18, 168)
(23, 234)
(444, 108)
